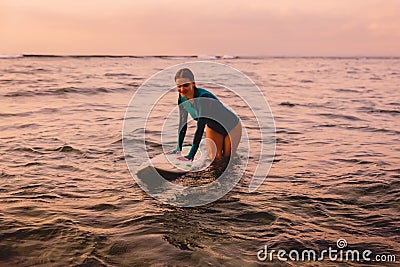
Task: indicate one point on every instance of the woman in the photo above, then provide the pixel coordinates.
(222, 126)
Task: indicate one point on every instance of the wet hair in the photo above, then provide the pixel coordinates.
(185, 73)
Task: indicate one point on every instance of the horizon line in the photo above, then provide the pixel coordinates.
(190, 56)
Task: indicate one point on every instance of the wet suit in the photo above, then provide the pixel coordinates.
(206, 110)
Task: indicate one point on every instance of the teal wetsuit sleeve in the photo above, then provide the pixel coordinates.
(201, 124)
(202, 107)
(183, 114)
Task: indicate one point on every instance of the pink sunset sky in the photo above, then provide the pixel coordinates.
(208, 27)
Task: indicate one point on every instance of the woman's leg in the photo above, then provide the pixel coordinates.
(214, 143)
(232, 140)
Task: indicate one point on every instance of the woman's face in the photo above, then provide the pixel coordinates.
(185, 87)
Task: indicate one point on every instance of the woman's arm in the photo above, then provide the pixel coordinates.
(201, 124)
(204, 106)
(183, 114)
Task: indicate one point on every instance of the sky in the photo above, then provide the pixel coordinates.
(201, 27)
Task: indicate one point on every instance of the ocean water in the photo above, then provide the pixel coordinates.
(68, 199)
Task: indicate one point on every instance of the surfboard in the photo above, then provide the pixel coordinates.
(170, 163)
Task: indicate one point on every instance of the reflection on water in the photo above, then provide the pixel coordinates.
(68, 199)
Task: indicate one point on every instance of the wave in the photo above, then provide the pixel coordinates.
(340, 116)
(211, 57)
(389, 111)
(287, 103)
(21, 114)
(344, 90)
(63, 91)
(373, 129)
(10, 56)
(110, 74)
(43, 150)
(102, 207)
(361, 128)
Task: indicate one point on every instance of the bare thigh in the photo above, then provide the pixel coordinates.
(232, 140)
(214, 143)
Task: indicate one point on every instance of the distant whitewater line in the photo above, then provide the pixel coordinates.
(122, 56)
(201, 57)
(11, 56)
